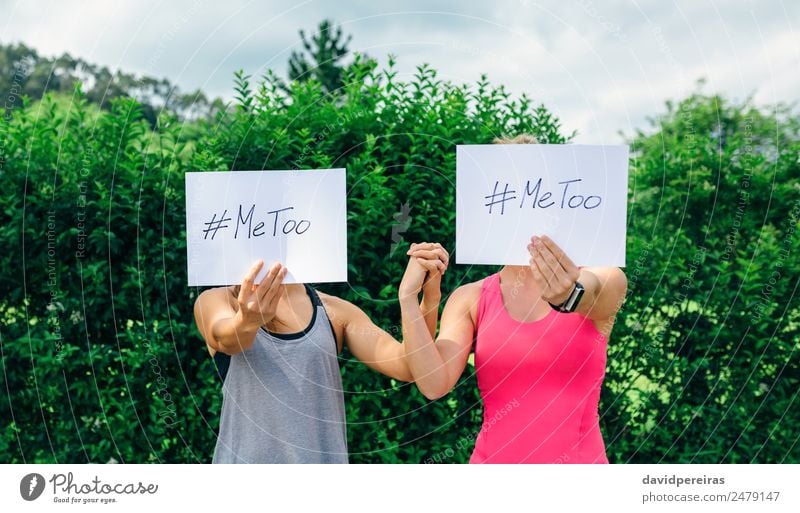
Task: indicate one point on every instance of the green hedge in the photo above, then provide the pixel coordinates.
(102, 361)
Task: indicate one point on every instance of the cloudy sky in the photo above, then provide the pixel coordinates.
(601, 66)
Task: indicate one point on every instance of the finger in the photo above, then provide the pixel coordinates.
(435, 254)
(275, 286)
(424, 245)
(543, 276)
(273, 302)
(432, 266)
(544, 267)
(263, 287)
(437, 267)
(564, 260)
(538, 276)
(428, 254)
(561, 279)
(566, 277)
(247, 283)
(444, 256)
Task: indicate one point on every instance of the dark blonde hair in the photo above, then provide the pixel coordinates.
(519, 139)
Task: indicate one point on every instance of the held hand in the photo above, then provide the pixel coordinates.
(257, 303)
(553, 271)
(426, 265)
(435, 259)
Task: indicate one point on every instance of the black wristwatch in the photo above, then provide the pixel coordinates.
(571, 303)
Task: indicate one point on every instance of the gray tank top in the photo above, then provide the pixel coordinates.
(282, 399)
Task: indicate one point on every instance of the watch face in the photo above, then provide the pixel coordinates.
(572, 302)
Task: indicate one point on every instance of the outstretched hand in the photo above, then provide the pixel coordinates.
(258, 303)
(552, 269)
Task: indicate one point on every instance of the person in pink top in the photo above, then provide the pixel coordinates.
(540, 334)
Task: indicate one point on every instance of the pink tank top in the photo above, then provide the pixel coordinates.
(540, 383)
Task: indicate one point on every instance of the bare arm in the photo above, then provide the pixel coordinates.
(228, 323)
(556, 274)
(372, 345)
(215, 315)
(435, 365)
(369, 343)
(435, 259)
(605, 291)
(429, 308)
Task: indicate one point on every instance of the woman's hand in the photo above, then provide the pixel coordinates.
(257, 303)
(426, 264)
(552, 269)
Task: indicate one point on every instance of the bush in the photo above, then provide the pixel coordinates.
(703, 362)
(103, 363)
(100, 351)
(397, 141)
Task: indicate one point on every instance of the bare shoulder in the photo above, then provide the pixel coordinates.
(340, 311)
(613, 281)
(610, 275)
(468, 291)
(466, 297)
(335, 304)
(217, 295)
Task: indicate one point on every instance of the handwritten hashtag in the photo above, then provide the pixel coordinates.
(503, 197)
(214, 225)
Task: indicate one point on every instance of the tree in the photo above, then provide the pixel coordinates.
(23, 72)
(101, 359)
(321, 60)
(100, 354)
(704, 362)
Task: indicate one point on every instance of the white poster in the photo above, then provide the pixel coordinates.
(297, 218)
(576, 194)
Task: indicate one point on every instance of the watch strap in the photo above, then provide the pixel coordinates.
(571, 303)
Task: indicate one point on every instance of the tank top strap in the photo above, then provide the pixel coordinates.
(315, 300)
(490, 289)
(317, 303)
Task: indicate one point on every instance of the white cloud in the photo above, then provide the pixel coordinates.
(601, 66)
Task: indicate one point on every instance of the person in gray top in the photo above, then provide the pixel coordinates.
(282, 391)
